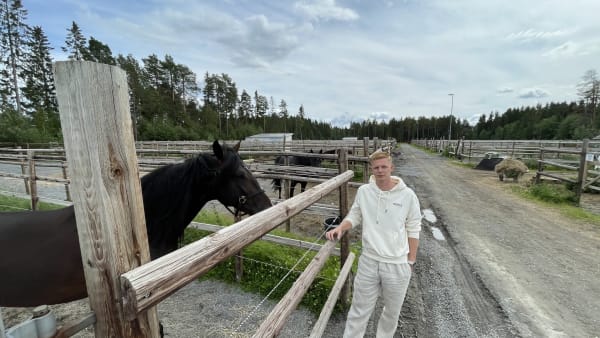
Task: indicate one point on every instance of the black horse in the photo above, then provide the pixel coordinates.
(298, 161)
(40, 258)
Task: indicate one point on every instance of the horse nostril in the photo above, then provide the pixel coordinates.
(242, 199)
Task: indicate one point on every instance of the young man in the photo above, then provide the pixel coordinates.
(390, 216)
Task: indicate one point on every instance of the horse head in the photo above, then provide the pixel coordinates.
(238, 188)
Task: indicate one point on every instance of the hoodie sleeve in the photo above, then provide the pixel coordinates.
(413, 219)
(354, 215)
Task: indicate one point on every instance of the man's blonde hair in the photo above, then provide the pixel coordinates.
(379, 154)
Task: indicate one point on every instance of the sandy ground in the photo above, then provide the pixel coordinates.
(490, 264)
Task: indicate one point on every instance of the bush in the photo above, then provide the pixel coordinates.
(554, 193)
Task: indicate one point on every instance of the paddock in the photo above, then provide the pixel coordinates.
(123, 288)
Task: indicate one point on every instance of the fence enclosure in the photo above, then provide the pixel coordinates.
(123, 284)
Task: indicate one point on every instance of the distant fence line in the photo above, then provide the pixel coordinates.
(362, 146)
(582, 157)
(476, 149)
(149, 159)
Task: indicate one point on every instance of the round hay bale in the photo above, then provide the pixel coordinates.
(510, 168)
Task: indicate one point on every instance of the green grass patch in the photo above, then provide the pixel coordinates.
(557, 196)
(552, 193)
(11, 203)
(266, 264)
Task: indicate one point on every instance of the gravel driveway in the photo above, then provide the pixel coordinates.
(517, 268)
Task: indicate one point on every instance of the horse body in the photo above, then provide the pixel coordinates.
(299, 161)
(40, 257)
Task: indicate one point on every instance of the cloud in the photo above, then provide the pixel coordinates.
(573, 49)
(504, 90)
(325, 10)
(259, 42)
(532, 93)
(380, 116)
(531, 35)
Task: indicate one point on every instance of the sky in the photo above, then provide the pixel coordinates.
(352, 60)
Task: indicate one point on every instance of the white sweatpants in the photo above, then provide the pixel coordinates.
(373, 277)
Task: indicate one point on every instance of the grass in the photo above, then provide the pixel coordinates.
(268, 264)
(556, 196)
(10, 203)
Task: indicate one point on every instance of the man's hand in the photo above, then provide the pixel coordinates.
(334, 234)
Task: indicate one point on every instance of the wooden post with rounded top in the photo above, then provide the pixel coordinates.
(93, 103)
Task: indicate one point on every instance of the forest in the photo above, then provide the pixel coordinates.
(169, 101)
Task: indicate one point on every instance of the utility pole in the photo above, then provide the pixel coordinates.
(450, 125)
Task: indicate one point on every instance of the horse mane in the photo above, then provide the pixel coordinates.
(182, 186)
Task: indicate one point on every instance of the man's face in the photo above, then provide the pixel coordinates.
(382, 168)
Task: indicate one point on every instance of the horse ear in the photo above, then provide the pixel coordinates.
(237, 146)
(218, 150)
(311, 151)
(321, 151)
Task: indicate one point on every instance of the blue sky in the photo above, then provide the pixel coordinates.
(356, 59)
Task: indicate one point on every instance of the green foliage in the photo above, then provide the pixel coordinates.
(266, 264)
(554, 193)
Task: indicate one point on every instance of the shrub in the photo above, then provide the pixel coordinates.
(555, 193)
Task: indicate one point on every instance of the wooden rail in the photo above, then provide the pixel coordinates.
(273, 324)
(321, 324)
(150, 283)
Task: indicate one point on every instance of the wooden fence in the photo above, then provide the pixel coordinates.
(582, 157)
(260, 164)
(123, 285)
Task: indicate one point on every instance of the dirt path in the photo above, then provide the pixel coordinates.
(516, 268)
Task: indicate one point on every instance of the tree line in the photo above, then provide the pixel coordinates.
(169, 102)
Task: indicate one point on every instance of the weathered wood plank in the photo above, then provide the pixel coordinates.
(275, 321)
(269, 238)
(342, 279)
(99, 146)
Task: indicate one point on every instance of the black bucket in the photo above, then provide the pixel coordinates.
(332, 223)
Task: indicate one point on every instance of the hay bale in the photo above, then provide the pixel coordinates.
(510, 168)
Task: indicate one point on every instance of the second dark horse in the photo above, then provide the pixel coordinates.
(297, 161)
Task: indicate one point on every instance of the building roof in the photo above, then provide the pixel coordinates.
(269, 136)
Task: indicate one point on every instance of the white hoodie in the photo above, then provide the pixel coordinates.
(388, 218)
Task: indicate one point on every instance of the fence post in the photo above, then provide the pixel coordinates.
(582, 174)
(345, 240)
(23, 171)
(32, 180)
(540, 165)
(366, 154)
(239, 258)
(99, 145)
(286, 185)
(65, 176)
(2, 330)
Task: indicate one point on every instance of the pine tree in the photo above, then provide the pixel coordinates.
(13, 37)
(134, 72)
(589, 90)
(244, 106)
(39, 87)
(98, 52)
(75, 44)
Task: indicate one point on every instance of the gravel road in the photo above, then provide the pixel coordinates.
(514, 268)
